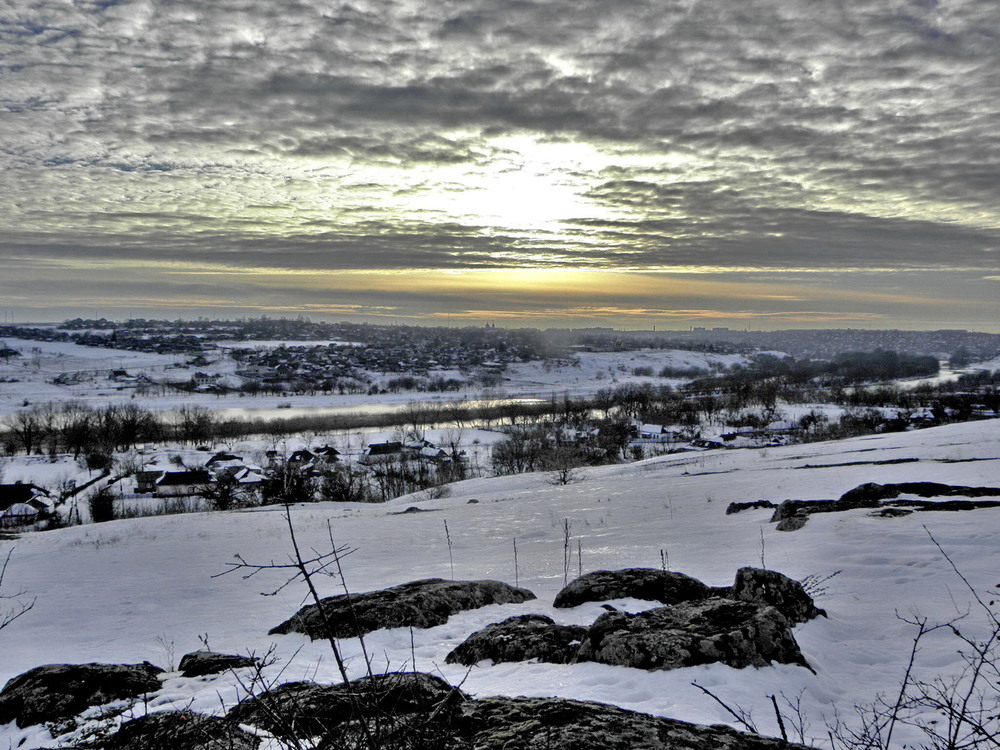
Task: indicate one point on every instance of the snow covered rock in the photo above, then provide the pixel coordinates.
(751, 505)
(867, 494)
(419, 604)
(563, 724)
(791, 515)
(651, 584)
(201, 663)
(59, 691)
(779, 591)
(179, 730)
(519, 639)
(307, 709)
(737, 633)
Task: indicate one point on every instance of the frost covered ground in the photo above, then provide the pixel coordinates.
(143, 589)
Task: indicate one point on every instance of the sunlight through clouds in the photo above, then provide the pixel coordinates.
(848, 149)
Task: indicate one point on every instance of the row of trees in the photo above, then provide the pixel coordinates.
(77, 428)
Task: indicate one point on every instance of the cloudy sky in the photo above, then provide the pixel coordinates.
(761, 163)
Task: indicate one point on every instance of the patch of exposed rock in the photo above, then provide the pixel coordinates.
(791, 515)
(54, 692)
(667, 587)
(562, 724)
(652, 584)
(752, 505)
(201, 663)
(179, 730)
(418, 604)
(307, 709)
(738, 633)
(502, 723)
(776, 590)
(520, 639)
(746, 624)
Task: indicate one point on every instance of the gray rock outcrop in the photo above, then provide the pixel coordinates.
(791, 515)
(307, 709)
(777, 590)
(53, 692)
(652, 584)
(418, 604)
(178, 730)
(562, 724)
(201, 663)
(738, 633)
(520, 639)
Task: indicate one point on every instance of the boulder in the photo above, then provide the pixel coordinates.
(520, 639)
(53, 692)
(179, 730)
(652, 584)
(738, 633)
(792, 523)
(776, 590)
(563, 724)
(307, 709)
(201, 663)
(418, 604)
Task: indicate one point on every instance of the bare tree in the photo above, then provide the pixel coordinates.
(12, 606)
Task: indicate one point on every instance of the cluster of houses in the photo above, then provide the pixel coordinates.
(777, 432)
(22, 504)
(223, 464)
(169, 482)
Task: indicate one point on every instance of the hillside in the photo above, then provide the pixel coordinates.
(143, 589)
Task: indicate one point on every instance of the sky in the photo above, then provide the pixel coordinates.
(761, 164)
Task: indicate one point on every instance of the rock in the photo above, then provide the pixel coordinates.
(890, 512)
(738, 633)
(652, 584)
(179, 730)
(864, 495)
(792, 523)
(53, 692)
(306, 709)
(936, 489)
(867, 497)
(791, 514)
(418, 604)
(776, 590)
(201, 663)
(752, 505)
(563, 724)
(520, 639)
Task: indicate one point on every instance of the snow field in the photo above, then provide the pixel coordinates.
(143, 589)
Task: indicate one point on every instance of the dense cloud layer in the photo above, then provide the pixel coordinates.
(766, 136)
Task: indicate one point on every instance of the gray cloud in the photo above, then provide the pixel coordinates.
(372, 135)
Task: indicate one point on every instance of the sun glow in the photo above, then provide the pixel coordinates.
(527, 185)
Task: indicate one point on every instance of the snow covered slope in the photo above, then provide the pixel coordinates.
(143, 589)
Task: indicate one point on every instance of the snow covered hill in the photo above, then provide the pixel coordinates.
(126, 591)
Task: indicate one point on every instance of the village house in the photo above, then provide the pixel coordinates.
(376, 453)
(23, 503)
(182, 483)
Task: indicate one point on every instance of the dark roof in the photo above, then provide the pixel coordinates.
(175, 478)
(19, 492)
(223, 456)
(383, 449)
